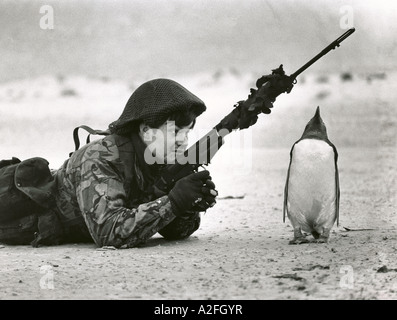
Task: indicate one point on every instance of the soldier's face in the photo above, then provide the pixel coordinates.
(166, 142)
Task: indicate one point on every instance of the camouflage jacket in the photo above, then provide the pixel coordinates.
(96, 185)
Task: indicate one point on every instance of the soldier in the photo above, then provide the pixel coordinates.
(104, 192)
(109, 182)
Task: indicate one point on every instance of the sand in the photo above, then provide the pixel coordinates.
(241, 249)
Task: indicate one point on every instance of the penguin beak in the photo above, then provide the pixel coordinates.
(315, 127)
(317, 114)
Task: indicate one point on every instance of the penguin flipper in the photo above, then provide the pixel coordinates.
(337, 193)
(285, 207)
(285, 197)
(337, 189)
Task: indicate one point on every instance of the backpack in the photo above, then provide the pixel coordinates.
(26, 191)
(27, 199)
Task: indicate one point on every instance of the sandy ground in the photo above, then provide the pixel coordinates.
(241, 250)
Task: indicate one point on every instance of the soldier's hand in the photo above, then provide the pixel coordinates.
(209, 195)
(191, 190)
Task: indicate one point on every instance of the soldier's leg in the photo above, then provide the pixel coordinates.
(181, 227)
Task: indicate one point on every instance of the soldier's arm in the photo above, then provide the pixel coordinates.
(101, 198)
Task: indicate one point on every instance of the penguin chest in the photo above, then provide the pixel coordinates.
(312, 184)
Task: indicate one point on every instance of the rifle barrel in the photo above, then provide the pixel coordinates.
(330, 47)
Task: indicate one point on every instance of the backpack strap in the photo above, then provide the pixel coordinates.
(90, 132)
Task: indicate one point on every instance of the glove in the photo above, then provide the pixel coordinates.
(209, 194)
(192, 192)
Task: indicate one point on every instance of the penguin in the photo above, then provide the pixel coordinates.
(311, 193)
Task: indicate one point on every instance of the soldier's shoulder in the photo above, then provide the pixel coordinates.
(102, 149)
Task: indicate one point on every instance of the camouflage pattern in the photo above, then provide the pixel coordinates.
(92, 198)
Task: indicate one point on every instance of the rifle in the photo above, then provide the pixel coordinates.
(244, 115)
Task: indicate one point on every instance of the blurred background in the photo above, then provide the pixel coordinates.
(84, 68)
(126, 39)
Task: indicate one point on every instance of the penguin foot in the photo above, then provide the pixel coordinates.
(299, 240)
(321, 239)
